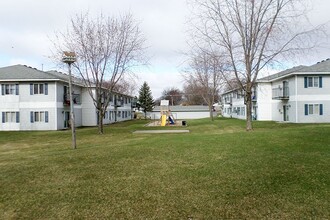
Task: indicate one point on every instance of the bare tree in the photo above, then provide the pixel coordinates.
(191, 94)
(252, 34)
(233, 84)
(174, 95)
(107, 49)
(126, 85)
(205, 73)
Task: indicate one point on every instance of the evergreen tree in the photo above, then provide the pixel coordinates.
(145, 100)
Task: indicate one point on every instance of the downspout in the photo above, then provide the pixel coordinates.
(56, 108)
(296, 85)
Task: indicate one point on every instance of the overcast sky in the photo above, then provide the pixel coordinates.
(26, 27)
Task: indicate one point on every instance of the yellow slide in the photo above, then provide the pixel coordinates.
(163, 120)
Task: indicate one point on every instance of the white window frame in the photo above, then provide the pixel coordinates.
(10, 89)
(313, 109)
(106, 116)
(39, 116)
(38, 88)
(10, 117)
(313, 81)
(243, 111)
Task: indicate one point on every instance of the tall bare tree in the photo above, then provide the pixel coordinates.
(107, 48)
(205, 72)
(191, 94)
(253, 34)
(126, 85)
(174, 95)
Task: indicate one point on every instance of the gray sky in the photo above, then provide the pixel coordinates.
(26, 27)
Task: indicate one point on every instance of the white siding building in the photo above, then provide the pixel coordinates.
(31, 99)
(298, 95)
(183, 112)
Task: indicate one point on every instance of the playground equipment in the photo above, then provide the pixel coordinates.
(166, 116)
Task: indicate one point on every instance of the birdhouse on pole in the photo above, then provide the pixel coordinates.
(69, 57)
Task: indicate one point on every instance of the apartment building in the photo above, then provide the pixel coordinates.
(37, 100)
(299, 95)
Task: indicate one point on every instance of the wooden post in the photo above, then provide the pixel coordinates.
(69, 58)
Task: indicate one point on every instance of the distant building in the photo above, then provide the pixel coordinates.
(183, 112)
(299, 95)
(37, 100)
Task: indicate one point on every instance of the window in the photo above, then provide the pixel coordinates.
(41, 116)
(243, 111)
(119, 114)
(39, 88)
(313, 109)
(239, 111)
(10, 117)
(9, 89)
(313, 82)
(310, 109)
(66, 92)
(105, 115)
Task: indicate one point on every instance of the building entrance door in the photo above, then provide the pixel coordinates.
(66, 119)
(285, 113)
(254, 113)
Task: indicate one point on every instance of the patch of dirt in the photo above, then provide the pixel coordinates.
(178, 123)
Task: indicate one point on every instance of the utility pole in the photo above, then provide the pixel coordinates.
(69, 58)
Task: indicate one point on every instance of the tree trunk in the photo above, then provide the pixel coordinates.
(248, 111)
(211, 113)
(100, 122)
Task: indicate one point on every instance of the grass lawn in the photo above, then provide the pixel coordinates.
(217, 171)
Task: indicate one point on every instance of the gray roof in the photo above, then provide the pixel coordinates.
(284, 73)
(320, 67)
(22, 72)
(189, 108)
(65, 77)
(26, 73)
(59, 75)
(323, 66)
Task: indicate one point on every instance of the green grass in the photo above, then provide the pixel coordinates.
(217, 171)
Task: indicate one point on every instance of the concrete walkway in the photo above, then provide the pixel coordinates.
(160, 131)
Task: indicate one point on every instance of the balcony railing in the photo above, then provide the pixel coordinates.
(75, 98)
(280, 93)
